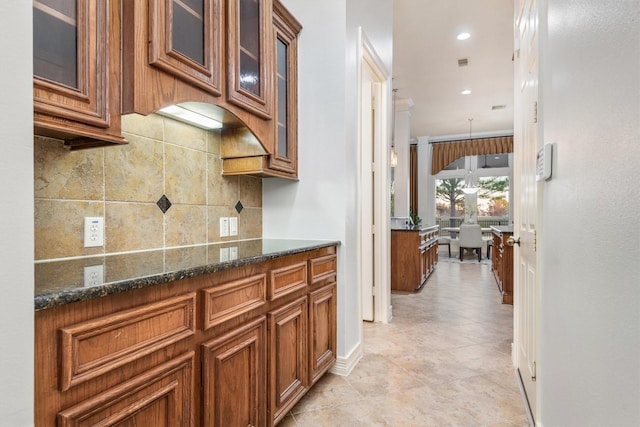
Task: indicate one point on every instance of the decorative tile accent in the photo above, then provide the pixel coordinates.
(239, 206)
(164, 204)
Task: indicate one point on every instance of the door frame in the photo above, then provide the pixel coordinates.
(368, 57)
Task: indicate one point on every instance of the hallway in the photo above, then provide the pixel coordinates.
(444, 360)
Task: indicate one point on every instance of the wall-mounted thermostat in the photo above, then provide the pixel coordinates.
(544, 161)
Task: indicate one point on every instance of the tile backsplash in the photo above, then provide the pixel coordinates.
(123, 184)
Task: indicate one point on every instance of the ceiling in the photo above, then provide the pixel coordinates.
(425, 65)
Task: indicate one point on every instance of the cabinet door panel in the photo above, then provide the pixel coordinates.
(288, 357)
(160, 397)
(286, 30)
(250, 81)
(186, 41)
(76, 87)
(322, 318)
(234, 374)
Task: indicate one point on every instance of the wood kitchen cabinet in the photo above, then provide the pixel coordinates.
(185, 41)
(502, 262)
(414, 255)
(76, 72)
(283, 158)
(233, 347)
(249, 55)
(234, 377)
(288, 357)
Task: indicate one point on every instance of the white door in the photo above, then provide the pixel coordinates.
(526, 201)
(367, 179)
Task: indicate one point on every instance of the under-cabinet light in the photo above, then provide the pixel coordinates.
(180, 113)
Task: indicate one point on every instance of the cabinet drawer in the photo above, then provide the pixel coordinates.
(159, 397)
(322, 268)
(97, 346)
(224, 302)
(287, 279)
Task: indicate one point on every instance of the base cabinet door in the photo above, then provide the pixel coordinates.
(288, 357)
(160, 397)
(322, 328)
(233, 377)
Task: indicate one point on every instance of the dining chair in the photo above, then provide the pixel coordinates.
(470, 238)
(445, 241)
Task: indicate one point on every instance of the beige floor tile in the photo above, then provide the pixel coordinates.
(444, 360)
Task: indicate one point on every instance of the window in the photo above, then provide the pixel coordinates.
(493, 199)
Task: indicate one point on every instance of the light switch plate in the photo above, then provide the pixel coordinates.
(224, 254)
(233, 226)
(224, 226)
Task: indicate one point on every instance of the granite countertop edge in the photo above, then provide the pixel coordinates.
(502, 228)
(61, 297)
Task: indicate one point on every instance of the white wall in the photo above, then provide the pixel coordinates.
(426, 183)
(323, 204)
(402, 171)
(16, 207)
(589, 350)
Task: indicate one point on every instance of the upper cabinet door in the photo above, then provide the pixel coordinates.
(185, 41)
(287, 28)
(75, 69)
(250, 82)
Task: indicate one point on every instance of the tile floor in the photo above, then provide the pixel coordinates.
(444, 360)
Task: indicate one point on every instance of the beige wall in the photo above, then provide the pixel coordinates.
(123, 184)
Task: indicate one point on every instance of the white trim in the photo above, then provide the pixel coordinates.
(476, 135)
(344, 365)
(382, 270)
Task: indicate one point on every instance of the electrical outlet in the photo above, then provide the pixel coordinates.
(233, 226)
(94, 275)
(233, 253)
(224, 227)
(93, 231)
(224, 254)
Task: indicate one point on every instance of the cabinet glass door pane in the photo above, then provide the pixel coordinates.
(250, 46)
(55, 51)
(282, 99)
(187, 35)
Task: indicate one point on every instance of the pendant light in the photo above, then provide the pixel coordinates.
(470, 187)
(394, 155)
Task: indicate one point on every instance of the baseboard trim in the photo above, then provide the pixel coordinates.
(344, 365)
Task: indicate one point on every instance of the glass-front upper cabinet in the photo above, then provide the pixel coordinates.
(76, 94)
(186, 41)
(286, 29)
(249, 56)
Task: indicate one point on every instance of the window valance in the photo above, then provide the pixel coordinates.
(446, 152)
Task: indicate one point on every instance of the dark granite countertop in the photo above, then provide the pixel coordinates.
(412, 228)
(502, 228)
(63, 281)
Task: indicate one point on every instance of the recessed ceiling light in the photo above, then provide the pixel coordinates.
(463, 36)
(466, 92)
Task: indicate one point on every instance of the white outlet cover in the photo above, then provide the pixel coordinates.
(93, 231)
(93, 275)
